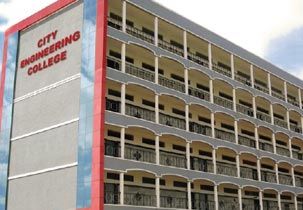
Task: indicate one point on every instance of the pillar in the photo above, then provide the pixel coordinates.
(122, 142)
(121, 188)
(210, 56)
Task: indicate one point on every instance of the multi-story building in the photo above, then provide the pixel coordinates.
(127, 105)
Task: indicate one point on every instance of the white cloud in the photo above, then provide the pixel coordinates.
(250, 24)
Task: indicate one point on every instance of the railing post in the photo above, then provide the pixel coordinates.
(234, 100)
(212, 119)
(157, 139)
(189, 194)
(259, 169)
(232, 65)
(122, 142)
(269, 83)
(188, 155)
(285, 91)
(156, 30)
(121, 188)
(273, 136)
(240, 198)
(236, 131)
(277, 172)
(216, 197)
(211, 91)
(214, 160)
(185, 44)
(158, 192)
(238, 165)
(124, 4)
(252, 77)
(261, 200)
(210, 57)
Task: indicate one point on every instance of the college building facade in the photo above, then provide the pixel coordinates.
(124, 104)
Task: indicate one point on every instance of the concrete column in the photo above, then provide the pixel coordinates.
(189, 195)
(287, 118)
(259, 169)
(186, 80)
(240, 198)
(269, 83)
(257, 138)
(121, 188)
(210, 56)
(285, 91)
(157, 142)
(261, 200)
(273, 136)
(296, 202)
(214, 160)
(236, 131)
(277, 172)
(216, 197)
(156, 108)
(158, 192)
(156, 69)
(122, 142)
(238, 165)
(272, 114)
(123, 93)
(187, 116)
(124, 16)
(252, 77)
(185, 43)
(232, 65)
(293, 176)
(290, 148)
(300, 98)
(234, 100)
(279, 201)
(254, 106)
(211, 91)
(212, 120)
(123, 56)
(156, 30)
(188, 155)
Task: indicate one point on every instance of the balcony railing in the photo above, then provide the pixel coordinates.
(270, 205)
(114, 63)
(172, 84)
(138, 112)
(267, 176)
(277, 95)
(250, 204)
(287, 206)
(250, 142)
(139, 34)
(112, 105)
(199, 93)
(263, 116)
(173, 199)
(261, 88)
(114, 23)
(224, 135)
(297, 155)
(200, 164)
(280, 123)
(226, 169)
(243, 80)
(228, 203)
(300, 206)
(111, 193)
(198, 128)
(283, 151)
(139, 199)
(295, 128)
(293, 102)
(266, 146)
(168, 120)
(202, 201)
(223, 102)
(299, 181)
(140, 72)
(248, 173)
(138, 153)
(221, 70)
(197, 59)
(112, 148)
(245, 110)
(285, 179)
(169, 47)
(173, 159)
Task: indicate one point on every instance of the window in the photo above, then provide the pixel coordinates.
(203, 119)
(250, 163)
(148, 67)
(177, 77)
(295, 147)
(113, 133)
(278, 116)
(291, 97)
(224, 95)
(283, 170)
(285, 197)
(114, 93)
(202, 87)
(148, 141)
(267, 166)
(230, 190)
(250, 193)
(259, 82)
(148, 103)
(202, 56)
(180, 184)
(147, 180)
(281, 142)
(293, 122)
(162, 182)
(276, 90)
(246, 132)
(269, 195)
(129, 137)
(178, 112)
(176, 44)
(179, 148)
(223, 65)
(113, 176)
(245, 103)
(129, 97)
(226, 126)
(207, 187)
(148, 31)
(262, 110)
(228, 158)
(128, 178)
(243, 75)
(265, 138)
(204, 153)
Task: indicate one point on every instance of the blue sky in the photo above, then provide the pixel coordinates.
(274, 33)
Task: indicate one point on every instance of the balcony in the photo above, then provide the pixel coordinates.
(277, 95)
(139, 34)
(248, 173)
(138, 112)
(266, 146)
(244, 80)
(297, 155)
(287, 206)
(263, 116)
(267, 176)
(285, 179)
(111, 193)
(270, 205)
(200, 164)
(112, 148)
(168, 120)
(112, 105)
(173, 159)
(199, 128)
(138, 153)
(280, 123)
(139, 198)
(261, 88)
(250, 204)
(173, 199)
(283, 151)
(221, 70)
(169, 47)
(249, 142)
(223, 102)
(224, 135)
(114, 63)
(299, 181)
(295, 128)
(140, 72)
(245, 110)
(228, 203)
(199, 93)
(172, 84)
(114, 23)
(197, 59)
(202, 201)
(226, 169)
(293, 102)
